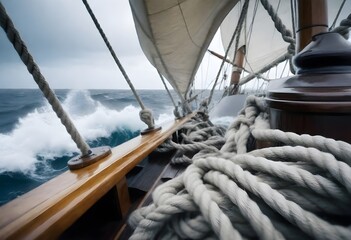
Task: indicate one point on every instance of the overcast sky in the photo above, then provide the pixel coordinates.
(69, 50)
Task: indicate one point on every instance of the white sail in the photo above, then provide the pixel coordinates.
(264, 44)
(174, 35)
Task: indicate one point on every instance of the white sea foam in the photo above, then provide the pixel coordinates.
(40, 133)
(223, 121)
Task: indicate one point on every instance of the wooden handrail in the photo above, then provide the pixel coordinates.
(50, 209)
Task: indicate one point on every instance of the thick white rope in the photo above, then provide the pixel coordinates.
(296, 191)
(145, 114)
(279, 25)
(344, 27)
(286, 33)
(34, 70)
(175, 111)
(199, 135)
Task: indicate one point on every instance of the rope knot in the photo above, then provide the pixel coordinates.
(176, 112)
(146, 116)
(275, 192)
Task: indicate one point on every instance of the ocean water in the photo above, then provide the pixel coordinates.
(35, 147)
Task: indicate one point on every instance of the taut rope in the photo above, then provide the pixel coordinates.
(344, 27)
(175, 111)
(279, 25)
(237, 30)
(145, 113)
(33, 69)
(228, 192)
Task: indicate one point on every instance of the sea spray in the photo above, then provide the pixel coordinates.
(40, 135)
(35, 147)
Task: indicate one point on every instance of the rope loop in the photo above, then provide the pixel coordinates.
(146, 116)
(298, 188)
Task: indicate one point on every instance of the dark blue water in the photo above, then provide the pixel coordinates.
(34, 146)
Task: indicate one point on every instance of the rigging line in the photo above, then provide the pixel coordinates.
(265, 68)
(208, 67)
(276, 10)
(251, 27)
(247, 62)
(345, 24)
(245, 28)
(223, 12)
(200, 93)
(262, 85)
(170, 77)
(268, 73)
(265, 80)
(278, 6)
(224, 77)
(169, 93)
(286, 63)
(249, 34)
(145, 114)
(204, 89)
(337, 15)
(237, 42)
(113, 54)
(292, 8)
(34, 70)
(238, 27)
(186, 25)
(286, 33)
(279, 25)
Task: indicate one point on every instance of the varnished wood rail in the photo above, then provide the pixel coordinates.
(47, 211)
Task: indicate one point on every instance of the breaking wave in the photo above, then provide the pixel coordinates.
(39, 139)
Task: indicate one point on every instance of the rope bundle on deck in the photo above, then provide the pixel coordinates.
(197, 135)
(298, 188)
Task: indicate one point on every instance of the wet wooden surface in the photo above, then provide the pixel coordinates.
(169, 172)
(315, 104)
(311, 19)
(48, 210)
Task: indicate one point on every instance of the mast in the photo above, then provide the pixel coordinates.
(316, 101)
(236, 70)
(312, 19)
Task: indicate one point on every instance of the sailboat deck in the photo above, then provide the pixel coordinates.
(169, 172)
(50, 209)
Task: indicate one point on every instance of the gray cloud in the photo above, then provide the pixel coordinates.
(66, 45)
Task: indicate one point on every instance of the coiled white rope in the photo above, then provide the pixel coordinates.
(198, 135)
(299, 190)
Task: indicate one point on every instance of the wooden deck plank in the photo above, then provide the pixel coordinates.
(144, 180)
(169, 172)
(52, 207)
